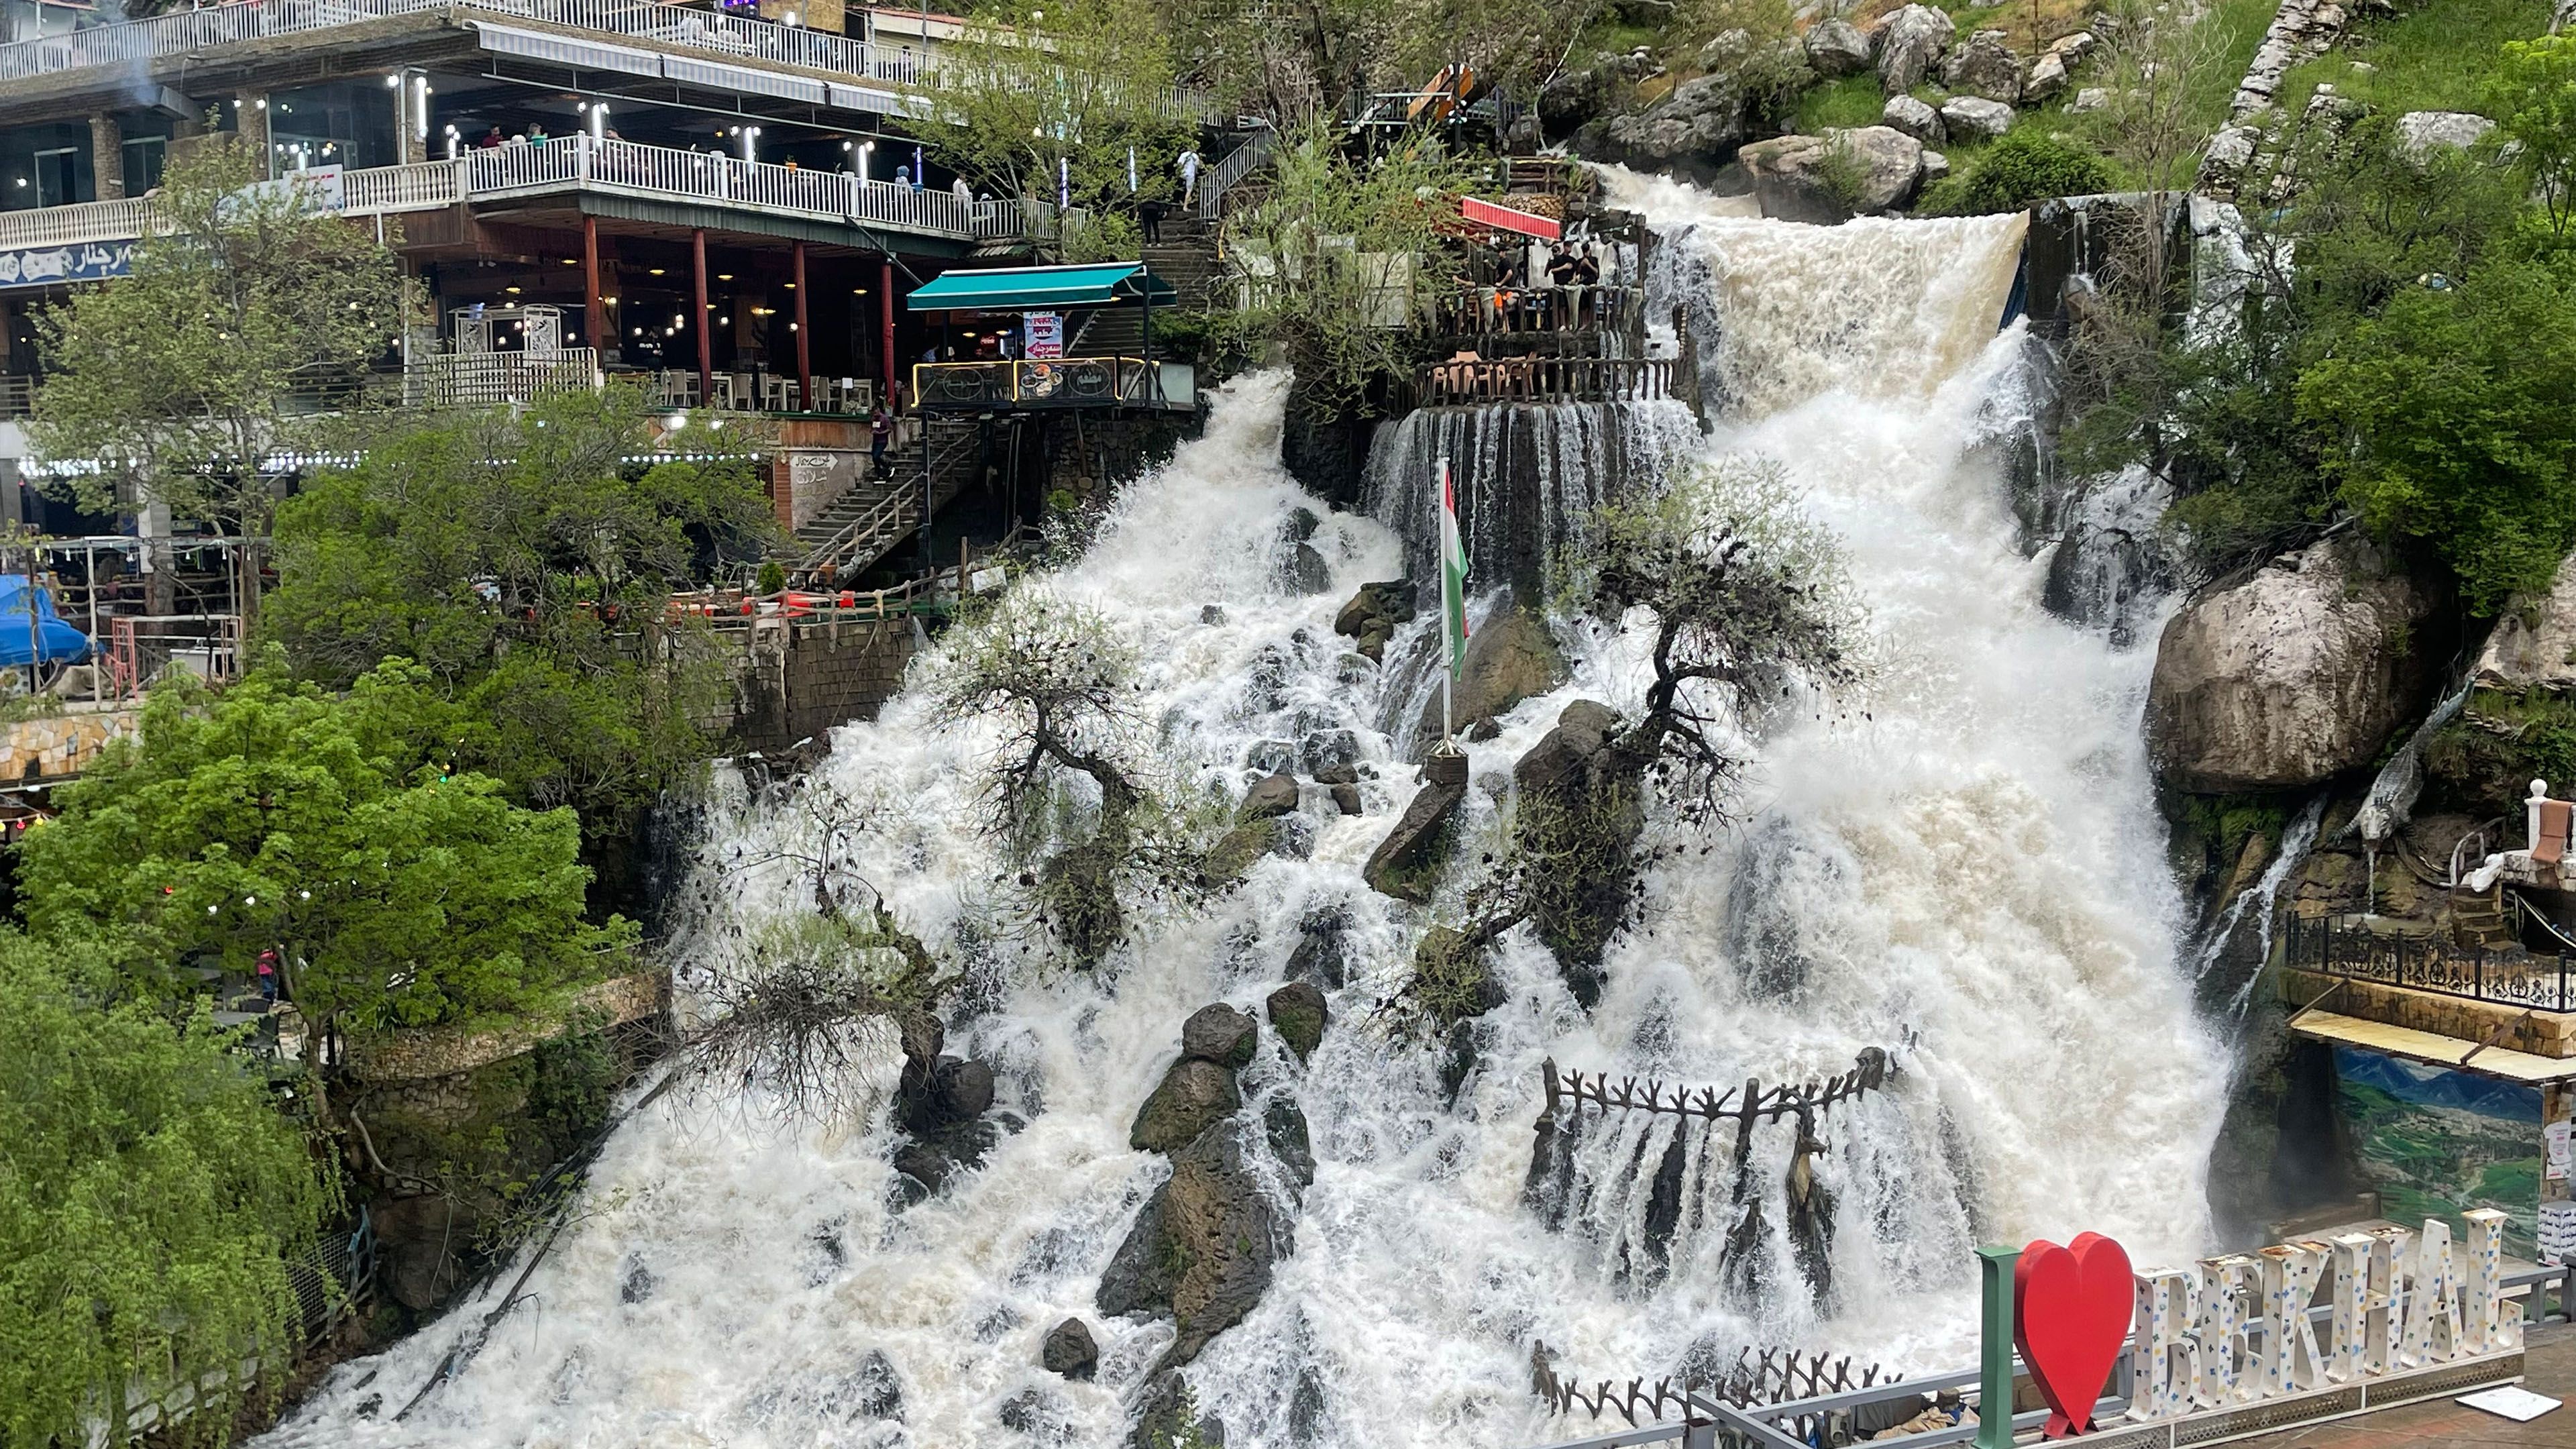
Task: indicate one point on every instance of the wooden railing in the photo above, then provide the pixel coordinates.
(1546, 379)
(2330, 946)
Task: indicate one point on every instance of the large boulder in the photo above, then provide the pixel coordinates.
(1202, 1246)
(1193, 1094)
(1966, 116)
(1837, 48)
(1069, 1350)
(2047, 78)
(1218, 1034)
(1985, 66)
(1298, 1013)
(1404, 865)
(1510, 658)
(2420, 133)
(1834, 176)
(1374, 614)
(2534, 643)
(1690, 130)
(2294, 674)
(1271, 795)
(1916, 118)
(1910, 43)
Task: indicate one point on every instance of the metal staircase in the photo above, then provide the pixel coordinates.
(874, 514)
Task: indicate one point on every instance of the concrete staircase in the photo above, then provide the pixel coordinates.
(874, 514)
(1186, 259)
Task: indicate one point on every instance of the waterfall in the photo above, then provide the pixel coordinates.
(1965, 849)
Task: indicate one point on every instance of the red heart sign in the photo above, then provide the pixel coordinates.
(2072, 1308)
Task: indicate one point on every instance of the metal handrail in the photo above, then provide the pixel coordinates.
(1239, 163)
(1760, 1425)
(2511, 976)
(888, 518)
(2462, 847)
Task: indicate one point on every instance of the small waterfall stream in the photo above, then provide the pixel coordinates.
(1966, 850)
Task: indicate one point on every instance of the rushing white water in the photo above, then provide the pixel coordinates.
(1966, 849)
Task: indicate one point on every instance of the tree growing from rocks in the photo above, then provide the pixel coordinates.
(1740, 600)
(1057, 685)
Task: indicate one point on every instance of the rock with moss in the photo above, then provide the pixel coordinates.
(1510, 657)
(1270, 796)
(1236, 850)
(1405, 865)
(1193, 1095)
(1219, 1034)
(1298, 1013)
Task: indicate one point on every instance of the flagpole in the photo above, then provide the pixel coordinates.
(1450, 608)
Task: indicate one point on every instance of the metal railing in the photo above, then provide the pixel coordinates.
(1242, 161)
(2330, 946)
(1546, 379)
(1800, 1423)
(1067, 382)
(580, 164)
(187, 31)
(17, 396)
(1481, 311)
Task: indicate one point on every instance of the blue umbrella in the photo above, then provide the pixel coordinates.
(55, 642)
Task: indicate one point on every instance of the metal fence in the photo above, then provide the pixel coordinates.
(1825, 1419)
(486, 379)
(1546, 379)
(1069, 382)
(2332, 947)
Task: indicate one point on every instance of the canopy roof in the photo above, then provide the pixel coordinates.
(1041, 289)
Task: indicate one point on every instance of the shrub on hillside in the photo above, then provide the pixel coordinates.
(2022, 168)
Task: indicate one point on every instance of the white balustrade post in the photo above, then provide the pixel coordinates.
(2531, 806)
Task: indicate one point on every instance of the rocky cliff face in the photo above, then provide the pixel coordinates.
(2294, 674)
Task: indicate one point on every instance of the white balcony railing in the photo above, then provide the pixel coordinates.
(186, 31)
(579, 164)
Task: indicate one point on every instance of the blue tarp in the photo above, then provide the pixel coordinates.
(57, 642)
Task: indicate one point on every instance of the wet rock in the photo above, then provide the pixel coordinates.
(1193, 1094)
(1915, 118)
(1307, 571)
(1510, 657)
(1321, 955)
(1168, 1415)
(637, 1284)
(1283, 1122)
(1837, 48)
(1405, 864)
(1338, 775)
(1139, 1276)
(1985, 66)
(1298, 1013)
(1828, 178)
(872, 1390)
(1583, 729)
(1327, 753)
(2420, 133)
(1308, 1408)
(2289, 676)
(1271, 757)
(1269, 796)
(1223, 1233)
(1038, 1414)
(1218, 1034)
(1346, 798)
(1211, 613)
(1236, 850)
(1968, 116)
(1302, 523)
(956, 1091)
(1389, 601)
(1069, 1350)
(1909, 44)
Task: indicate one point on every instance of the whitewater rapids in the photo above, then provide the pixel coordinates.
(1964, 849)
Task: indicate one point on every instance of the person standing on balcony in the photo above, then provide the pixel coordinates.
(964, 193)
(1189, 174)
(903, 177)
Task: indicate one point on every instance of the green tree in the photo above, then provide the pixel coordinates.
(275, 814)
(2452, 419)
(2534, 97)
(527, 566)
(190, 381)
(2009, 175)
(1338, 255)
(1035, 85)
(150, 1197)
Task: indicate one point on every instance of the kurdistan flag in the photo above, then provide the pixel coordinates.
(1453, 577)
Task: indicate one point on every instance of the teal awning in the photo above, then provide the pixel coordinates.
(1041, 289)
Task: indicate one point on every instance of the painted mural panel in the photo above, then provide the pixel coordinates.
(2436, 1142)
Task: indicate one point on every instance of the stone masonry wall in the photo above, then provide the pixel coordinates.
(801, 677)
(62, 745)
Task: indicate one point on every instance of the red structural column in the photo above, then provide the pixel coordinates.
(603, 333)
(706, 339)
(885, 312)
(804, 348)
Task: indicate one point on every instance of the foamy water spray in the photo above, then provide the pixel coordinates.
(1969, 851)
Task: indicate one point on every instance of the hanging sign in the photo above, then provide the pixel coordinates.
(1043, 332)
(88, 262)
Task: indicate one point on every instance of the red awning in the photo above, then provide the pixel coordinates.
(1503, 218)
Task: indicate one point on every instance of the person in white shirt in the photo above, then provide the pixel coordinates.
(1189, 173)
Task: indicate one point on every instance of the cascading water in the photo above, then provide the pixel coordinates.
(1967, 851)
